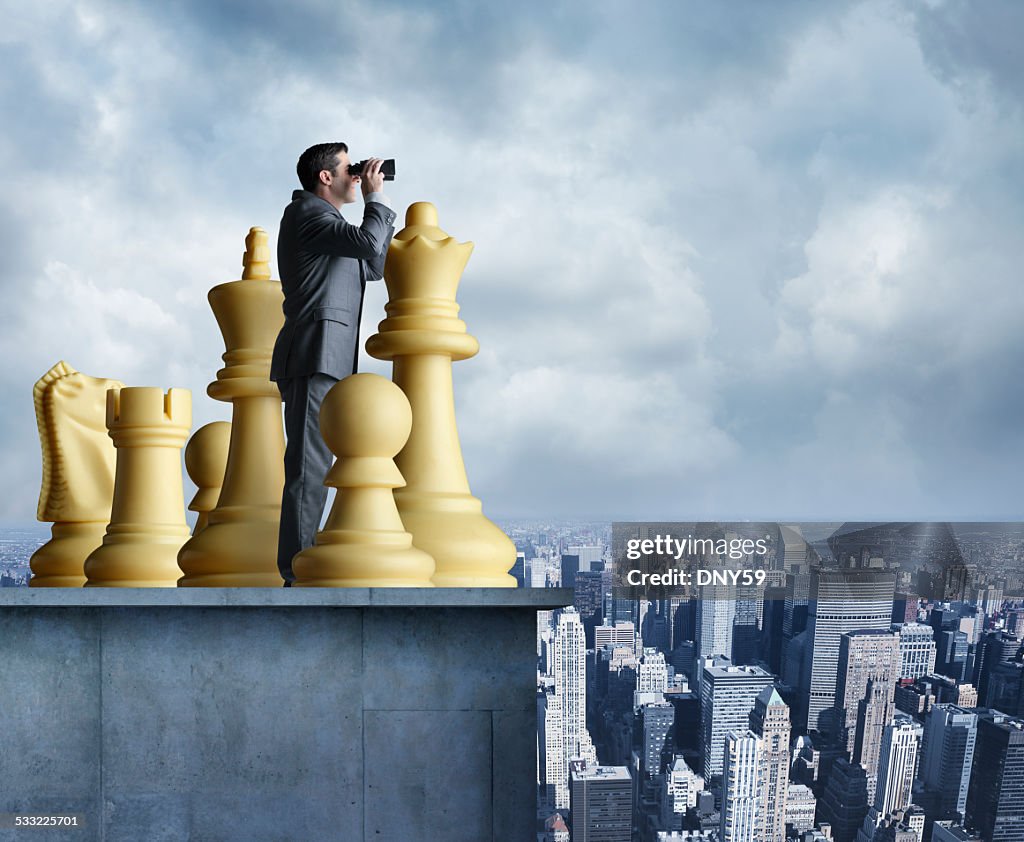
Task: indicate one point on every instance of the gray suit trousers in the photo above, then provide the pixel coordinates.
(306, 462)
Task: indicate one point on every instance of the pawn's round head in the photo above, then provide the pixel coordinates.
(365, 415)
(206, 454)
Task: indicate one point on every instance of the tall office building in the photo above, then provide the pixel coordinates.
(801, 805)
(770, 643)
(619, 634)
(794, 558)
(569, 669)
(795, 604)
(746, 623)
(917, 649)
(947, 755)
(989, 599)
(651, 679)
(716, 612)
(791, 549)
(742, 788)
(587, 596)
(896, 767)
(602, 803)
(844, 804)
(841, 601)
(552, 761)
(727, 699)
(995, 799)
(951, 656)
(868, 663)
(679, 621)
(680, 788)
(1005, 691)
(570, 694)
(657, 722)
(570, 567)
(995, 648)
(770, 721)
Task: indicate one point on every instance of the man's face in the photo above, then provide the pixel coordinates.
(344, 188)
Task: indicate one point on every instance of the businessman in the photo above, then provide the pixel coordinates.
(324, 264)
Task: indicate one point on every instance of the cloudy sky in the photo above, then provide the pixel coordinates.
(732, 260)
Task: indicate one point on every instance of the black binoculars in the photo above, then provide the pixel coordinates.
(387, 167)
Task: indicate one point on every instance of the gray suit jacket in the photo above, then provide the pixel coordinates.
(325, 263)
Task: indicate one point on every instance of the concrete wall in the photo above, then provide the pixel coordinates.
(264, 714)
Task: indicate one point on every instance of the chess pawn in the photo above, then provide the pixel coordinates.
(147, 520)
(365, 419)
(206, 455)
(423, 335)
(78, 472)
(238, 547)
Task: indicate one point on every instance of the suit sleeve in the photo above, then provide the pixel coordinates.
(330, 234)
(376, 263)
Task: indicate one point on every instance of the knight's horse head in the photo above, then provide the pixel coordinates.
(78, 455)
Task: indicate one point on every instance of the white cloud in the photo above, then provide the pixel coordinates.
(692, 269)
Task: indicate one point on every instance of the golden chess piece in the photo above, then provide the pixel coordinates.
(206, 455)
(238, 547)
(147, 520)
(78, 472)
(423, 336)
(365, 419)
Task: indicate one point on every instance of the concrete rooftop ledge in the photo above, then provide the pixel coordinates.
(539, 599)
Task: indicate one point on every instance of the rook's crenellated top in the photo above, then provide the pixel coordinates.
(149, 406)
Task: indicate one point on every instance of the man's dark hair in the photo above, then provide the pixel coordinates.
(316, 158)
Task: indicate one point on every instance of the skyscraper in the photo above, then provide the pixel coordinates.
(868, 663)
(994, 648)
(917, 649)
(570, 698)
(651, 679)
(951, 654)
(570, 567)
(552, 771)
(716, 612)
(656, 721)
(587, 596)
(679, 792)
(569, 671)
(844, 804)
(770, 721)
(900, 741)
(947, 754)
(602, 803)
(995, 799)
(745, 634)
(727, 698)
(742, 788)
(841, 601)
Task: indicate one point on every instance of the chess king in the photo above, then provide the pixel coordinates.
(324, 264)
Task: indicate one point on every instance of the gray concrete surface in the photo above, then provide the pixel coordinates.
(265, 714)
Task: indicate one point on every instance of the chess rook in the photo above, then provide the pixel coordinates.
(78, 472)
(206, 456)
(147, 520)
(238, 547)
(423, 335)
(365, 420)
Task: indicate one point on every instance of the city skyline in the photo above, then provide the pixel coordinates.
(709, 740)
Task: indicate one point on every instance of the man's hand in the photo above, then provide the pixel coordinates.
(372, 179)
